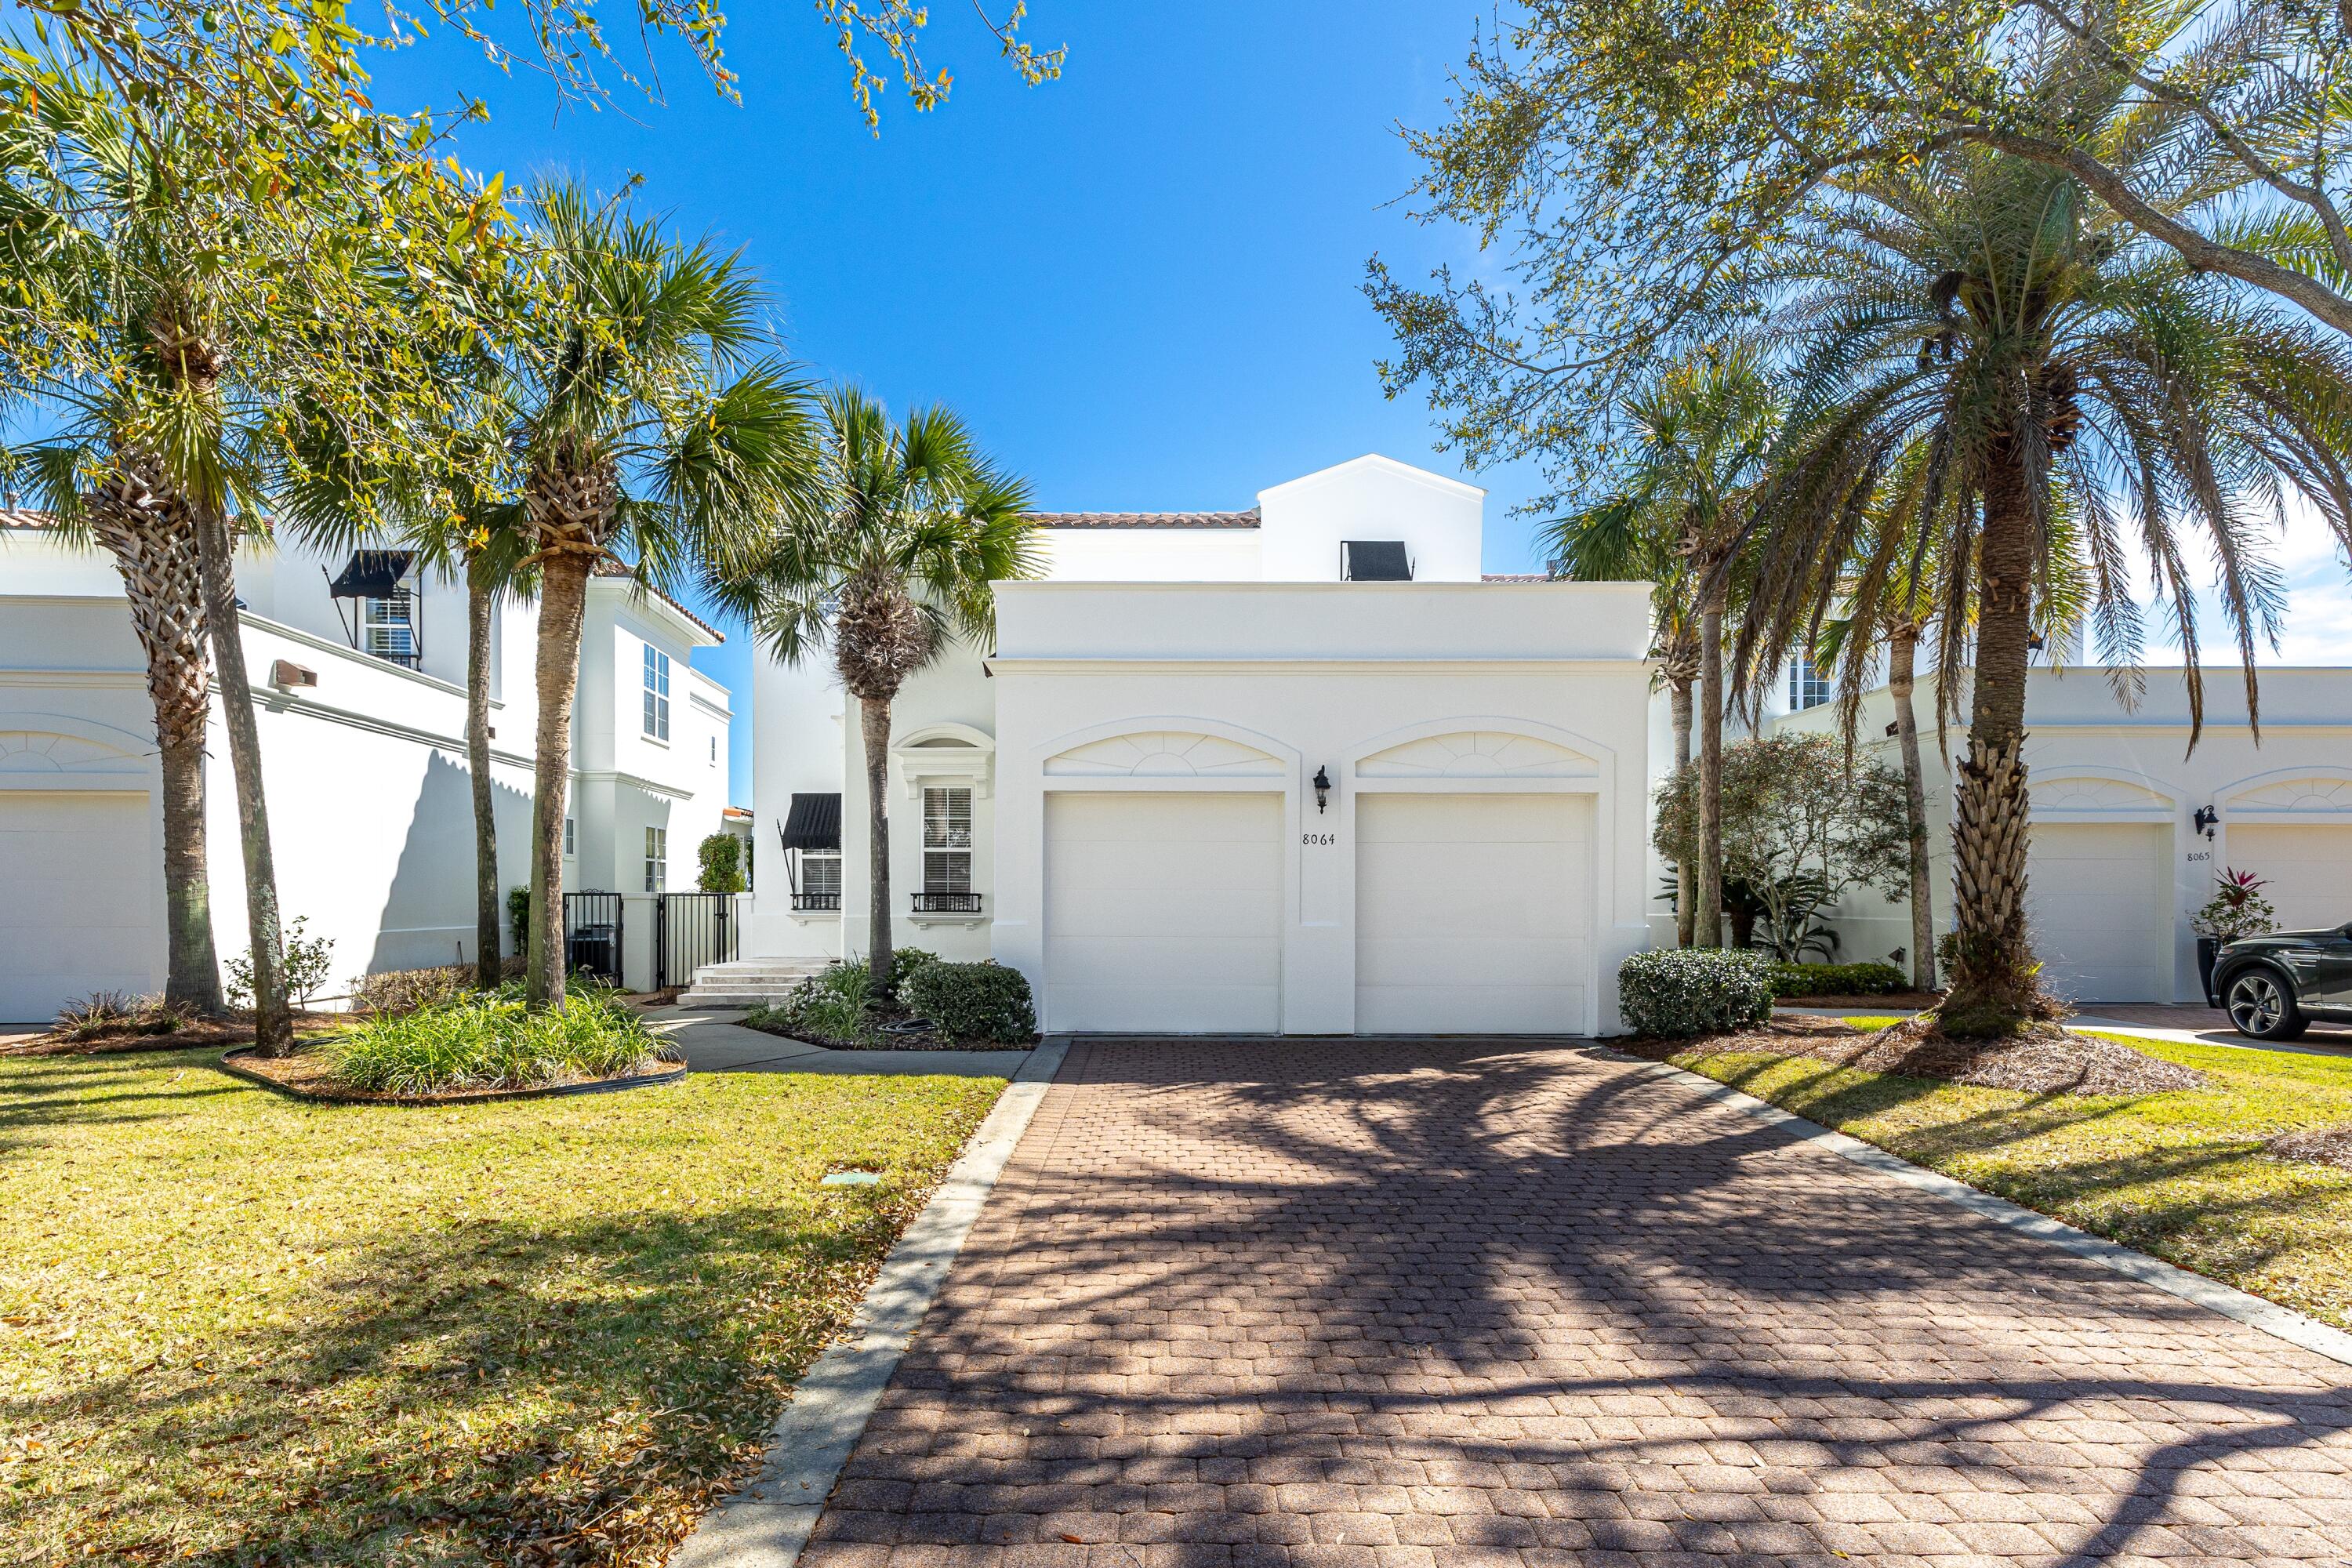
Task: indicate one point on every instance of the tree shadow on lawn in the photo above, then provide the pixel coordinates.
(1625, 1318)
(505, 1390)
(48, 1092)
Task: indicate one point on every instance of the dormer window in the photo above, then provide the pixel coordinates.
(385, 623)
(1374, 561)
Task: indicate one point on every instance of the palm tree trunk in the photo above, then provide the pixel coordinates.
(1902, 656)
(1993, 985)
(273, 1022)
(874, 727)
(562, 605)
(163, 582)
(479, 603)
(1678, 703)
(1707, 898)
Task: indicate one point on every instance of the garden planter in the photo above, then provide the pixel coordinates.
(2207, 949)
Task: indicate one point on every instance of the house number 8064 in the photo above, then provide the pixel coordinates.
(1319, 839)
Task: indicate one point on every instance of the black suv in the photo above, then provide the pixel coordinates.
(2273, 986)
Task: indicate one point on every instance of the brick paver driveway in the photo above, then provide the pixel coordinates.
(1453, 1304)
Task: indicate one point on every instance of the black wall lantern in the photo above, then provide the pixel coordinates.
(1322, 791)
(2205, 819)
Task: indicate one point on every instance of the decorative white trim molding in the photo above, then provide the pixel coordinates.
(1478, 754)
(2292, 795)
(2085, 795)
(1165, 754)
(944, 752)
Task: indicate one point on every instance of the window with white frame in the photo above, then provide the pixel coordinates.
(656, 693)
(821, 879)
(570, 838)
(656, 858)
(947, 840)
(388, 627)
(1808, 687)
(714, 750)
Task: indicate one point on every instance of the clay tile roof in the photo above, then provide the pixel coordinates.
(1145, 519)
(25, 517)
(1514, 577)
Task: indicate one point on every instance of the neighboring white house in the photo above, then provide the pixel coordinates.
(358, 664)
(2130, 826)
(1297, 769)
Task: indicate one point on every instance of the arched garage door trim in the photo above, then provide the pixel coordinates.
(2292, 826)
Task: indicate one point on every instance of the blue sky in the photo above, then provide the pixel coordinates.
(1140, 282)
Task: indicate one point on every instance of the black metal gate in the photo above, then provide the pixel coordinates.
(691, 930)
(591, 936)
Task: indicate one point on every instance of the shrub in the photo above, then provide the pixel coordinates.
(973, 1001)
(1838, 980)
(721, 855)
(494, 1041)
(1673, 992)
(519, 918)
(833, 1005)
(2237, 909)
(308, 961)
(119, 1011)
(397, 991)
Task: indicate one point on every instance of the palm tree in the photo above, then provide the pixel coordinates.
(1984, 307)
(1892, 582)
(647, 426)
(1703, 432)
(915, 527)
(150, 450)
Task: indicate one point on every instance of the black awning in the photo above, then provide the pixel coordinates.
(371, 575)
(813, 823)
(1377, 560)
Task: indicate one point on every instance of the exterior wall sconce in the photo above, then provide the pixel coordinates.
(2205, 819)
(1322, 790)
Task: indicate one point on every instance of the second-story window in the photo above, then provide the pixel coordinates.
(388, 627)
(571, 836)
(656, 693)
(947, 840)
(1808, 687)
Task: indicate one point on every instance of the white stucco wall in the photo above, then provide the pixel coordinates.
(1321, 677)
(1371, 498)
(2091, 759)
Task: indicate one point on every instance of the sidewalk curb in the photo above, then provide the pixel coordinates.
(2269, 1317)
(766, 1523)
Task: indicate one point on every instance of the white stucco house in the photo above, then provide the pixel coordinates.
(358, 663)
(1298, 769)
(2130, 826)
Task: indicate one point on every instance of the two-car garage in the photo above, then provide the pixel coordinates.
(1167, 910)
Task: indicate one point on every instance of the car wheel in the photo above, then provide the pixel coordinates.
(2261, 1006)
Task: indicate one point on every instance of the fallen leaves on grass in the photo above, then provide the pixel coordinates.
(2320, 1145)
(2047, 1060)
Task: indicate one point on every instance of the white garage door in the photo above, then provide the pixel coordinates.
(2309, 866)
(2100, 909)
(1163, 912)
(1472, 913)
(75, 913)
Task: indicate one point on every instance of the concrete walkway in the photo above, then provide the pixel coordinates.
(714, 1040)
(1402, 1304)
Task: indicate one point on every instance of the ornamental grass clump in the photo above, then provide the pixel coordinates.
(494, 1041)
(1675, 993)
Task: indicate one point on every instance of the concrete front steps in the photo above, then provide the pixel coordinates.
(747, 981)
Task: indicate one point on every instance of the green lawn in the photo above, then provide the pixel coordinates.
(2180, 1174)
(235, 1329)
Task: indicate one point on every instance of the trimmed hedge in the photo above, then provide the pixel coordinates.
(1673, 992)
(1838, 980)
(973, 1001)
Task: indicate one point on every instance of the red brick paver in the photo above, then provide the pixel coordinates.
(1446, 1303)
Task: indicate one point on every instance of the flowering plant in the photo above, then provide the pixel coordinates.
(2237, 909)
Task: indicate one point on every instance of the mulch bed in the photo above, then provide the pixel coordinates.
(2321, 1145)
(306, 1075)
(923, 1039)
(204, 1033)
(2046, 1060)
